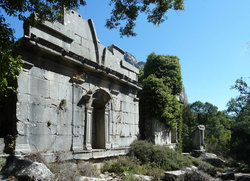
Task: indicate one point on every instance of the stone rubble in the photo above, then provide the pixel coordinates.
(26, 169)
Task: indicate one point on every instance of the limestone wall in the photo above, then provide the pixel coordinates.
(75, 95)
(156, 132)
(77, 36)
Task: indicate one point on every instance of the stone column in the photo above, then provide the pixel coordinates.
(174, 135)
(88, 128)
(107, 129)
(198, 137)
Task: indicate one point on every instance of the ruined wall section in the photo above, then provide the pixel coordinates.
(64, 65)
(44, 108)
(76, 37)
(51, 116)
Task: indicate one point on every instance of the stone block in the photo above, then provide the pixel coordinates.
(37, 111)
(39, 87)
(23, 111)
(83, 155)
(62, 143)
(37, 72)
(78, 143)
(78, 130)
(22, 97)
(64, 129)
(126, 141)
(42, 142)
(22, 128)
(124, 130)
(54, 90)
(65, 92)
(23, 82)
(42, 129)
(79, 118)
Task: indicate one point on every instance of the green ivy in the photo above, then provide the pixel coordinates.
(161, 80)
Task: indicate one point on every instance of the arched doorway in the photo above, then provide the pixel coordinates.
(100, 104)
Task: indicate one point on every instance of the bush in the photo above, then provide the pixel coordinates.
(124, 164)
(87, 169)
(132, 165)
(64, 171)
(158, 156)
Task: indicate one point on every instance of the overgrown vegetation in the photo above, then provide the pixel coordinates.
(132, 165)
(160, 156)
(217, 125)
(239, 108)
(227, 132)
(161, 80)
(147, 159)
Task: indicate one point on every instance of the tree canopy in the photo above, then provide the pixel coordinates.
(217, 123)
(123, 15)
(240, 109)
(128, 11)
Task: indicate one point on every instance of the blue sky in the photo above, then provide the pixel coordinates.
(209, 37)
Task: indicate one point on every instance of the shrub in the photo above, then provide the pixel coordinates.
(64, 171)
(123, 164)
(87, 169)
(158, 156)
(36, 157)
(132, 165)
(130, 178)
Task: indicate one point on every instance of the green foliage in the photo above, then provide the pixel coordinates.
(128, 11)
(132, 165)
(159, 156)
(161, 80)
(217, 124)
(10, 64)
(123, 11)
(240, 109)
(238, 104)
(49, 10)
(167, 68)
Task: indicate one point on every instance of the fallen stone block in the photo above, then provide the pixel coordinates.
(213, 159)
(177, 175)
(25, 169)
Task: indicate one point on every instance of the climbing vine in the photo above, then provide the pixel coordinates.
(161, 81)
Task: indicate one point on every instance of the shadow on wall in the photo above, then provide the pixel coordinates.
(8, 122)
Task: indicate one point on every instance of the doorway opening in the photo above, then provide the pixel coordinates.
(99, 104)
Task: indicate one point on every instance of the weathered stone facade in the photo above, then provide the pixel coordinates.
(156, 132)
(198, 138)
(74, 94)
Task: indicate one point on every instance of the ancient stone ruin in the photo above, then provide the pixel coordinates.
(74, 94)
(198, 138)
